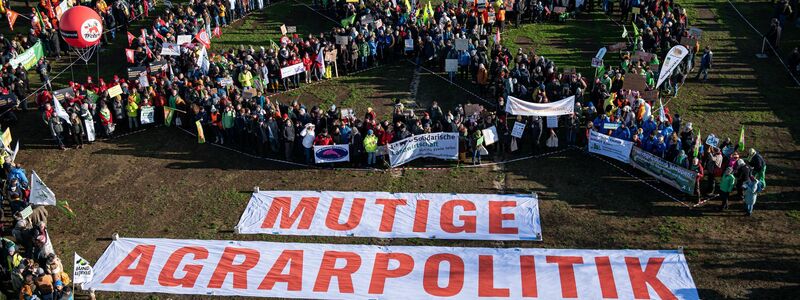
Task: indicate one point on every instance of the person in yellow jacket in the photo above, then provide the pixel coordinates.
(371, 146)
(246, 78)
(133, 114)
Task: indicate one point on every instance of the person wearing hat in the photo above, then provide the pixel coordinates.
(706, 61)
(44, 284)
(726, 185)
(308, 136)
(287, 131)
(370, 146)
(216, 125)
(758, 166)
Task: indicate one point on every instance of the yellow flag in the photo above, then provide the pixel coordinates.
(201, 138)
(7, 138)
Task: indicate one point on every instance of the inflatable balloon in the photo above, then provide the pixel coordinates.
(81, 27)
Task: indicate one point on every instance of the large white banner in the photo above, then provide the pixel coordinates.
(292, 70)
(519, 107)
(331, 153)
(323, 271)
(671, 61)
(388, 215)
(610, 146)
(441, 145)
(40, 193)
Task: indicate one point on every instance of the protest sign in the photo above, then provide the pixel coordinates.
(441, 145)
(342, 39)
(610, 146)
(451, 65)
(143, 81)
(712, 140)
(157, 67)
(378, 23)
(391, 215)
(634, 82)
(291, 29)
(82, 270)
(331, 55)
(342, 271)
(292, 70)
(489, 135)
(90, 135)
(688, 41)
(331, 153)
(618, 46)
(248, 94)
(650, 96)
(472, 109)
(225, 81)
(696, 32)
(597, 62)
(611, 125)
(643, 56)
(348, 113)
(409, 44)
(134, 72)
(283, 29)
(27, 212)
(635, 10)
(519, 107)
(170, 49)
(148, 115)
(552, 122)
(519, 129)
(665, 171)
(64, 93)
(462, 44)
(184, 39)
(601, 53)
(114, 91)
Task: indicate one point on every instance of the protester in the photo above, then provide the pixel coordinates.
(751, 187)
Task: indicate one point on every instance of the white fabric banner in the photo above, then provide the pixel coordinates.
(292, 70)
(40, 193)
(671, 61)
(518, 107)
(388, 215)
(441, 145)
(325, 271)
(82, 270)
(60, 112)
(331, 153)
(610, 146)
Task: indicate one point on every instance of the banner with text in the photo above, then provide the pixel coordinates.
(610, 146)
(331, 153)
(668, 172)
(388, 215)
(519, 107)
(325, 271)
(441, 145)
(292, 70)
(29, 58)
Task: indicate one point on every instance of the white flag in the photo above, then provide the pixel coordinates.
(82, 271)
(16, 150)
(671, 61)
(202, 60)
(321, 61)
(60, 112)
(40, 193)
(661, 115)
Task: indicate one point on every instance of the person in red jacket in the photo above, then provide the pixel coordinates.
(323, 139)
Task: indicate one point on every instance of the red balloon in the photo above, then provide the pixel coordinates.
(81, 27)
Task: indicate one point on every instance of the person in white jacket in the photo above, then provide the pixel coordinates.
(308, 142)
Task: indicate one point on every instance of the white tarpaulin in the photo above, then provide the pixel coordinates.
(331, 153)
(324, 271)
(671, 61)
(441, 145)
(610, 146)
(292, 70)
(40, 193)
(388, 215)
(518, 107)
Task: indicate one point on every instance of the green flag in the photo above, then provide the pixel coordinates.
(635, 29)
(697, 144)
(741, 139)
(64, 206)
(91, 96)
(349, 20)
(168, 113)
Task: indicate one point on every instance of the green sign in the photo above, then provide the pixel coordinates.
(29, 58)
(665, 171)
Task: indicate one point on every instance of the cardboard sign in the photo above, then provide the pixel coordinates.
(284, 30)
(451, 65)
(636, 10)
(331, 55)
(618, 46)
(462, 44)
(650, 96)
(134, 72)
(342, 39)
(643, 56)
(115, 91)
(634, 82)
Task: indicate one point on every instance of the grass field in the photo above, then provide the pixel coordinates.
(160, 183)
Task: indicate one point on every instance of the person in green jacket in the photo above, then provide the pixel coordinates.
(371, 146)
(133, 114)
(228, 116)
(726, 185)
